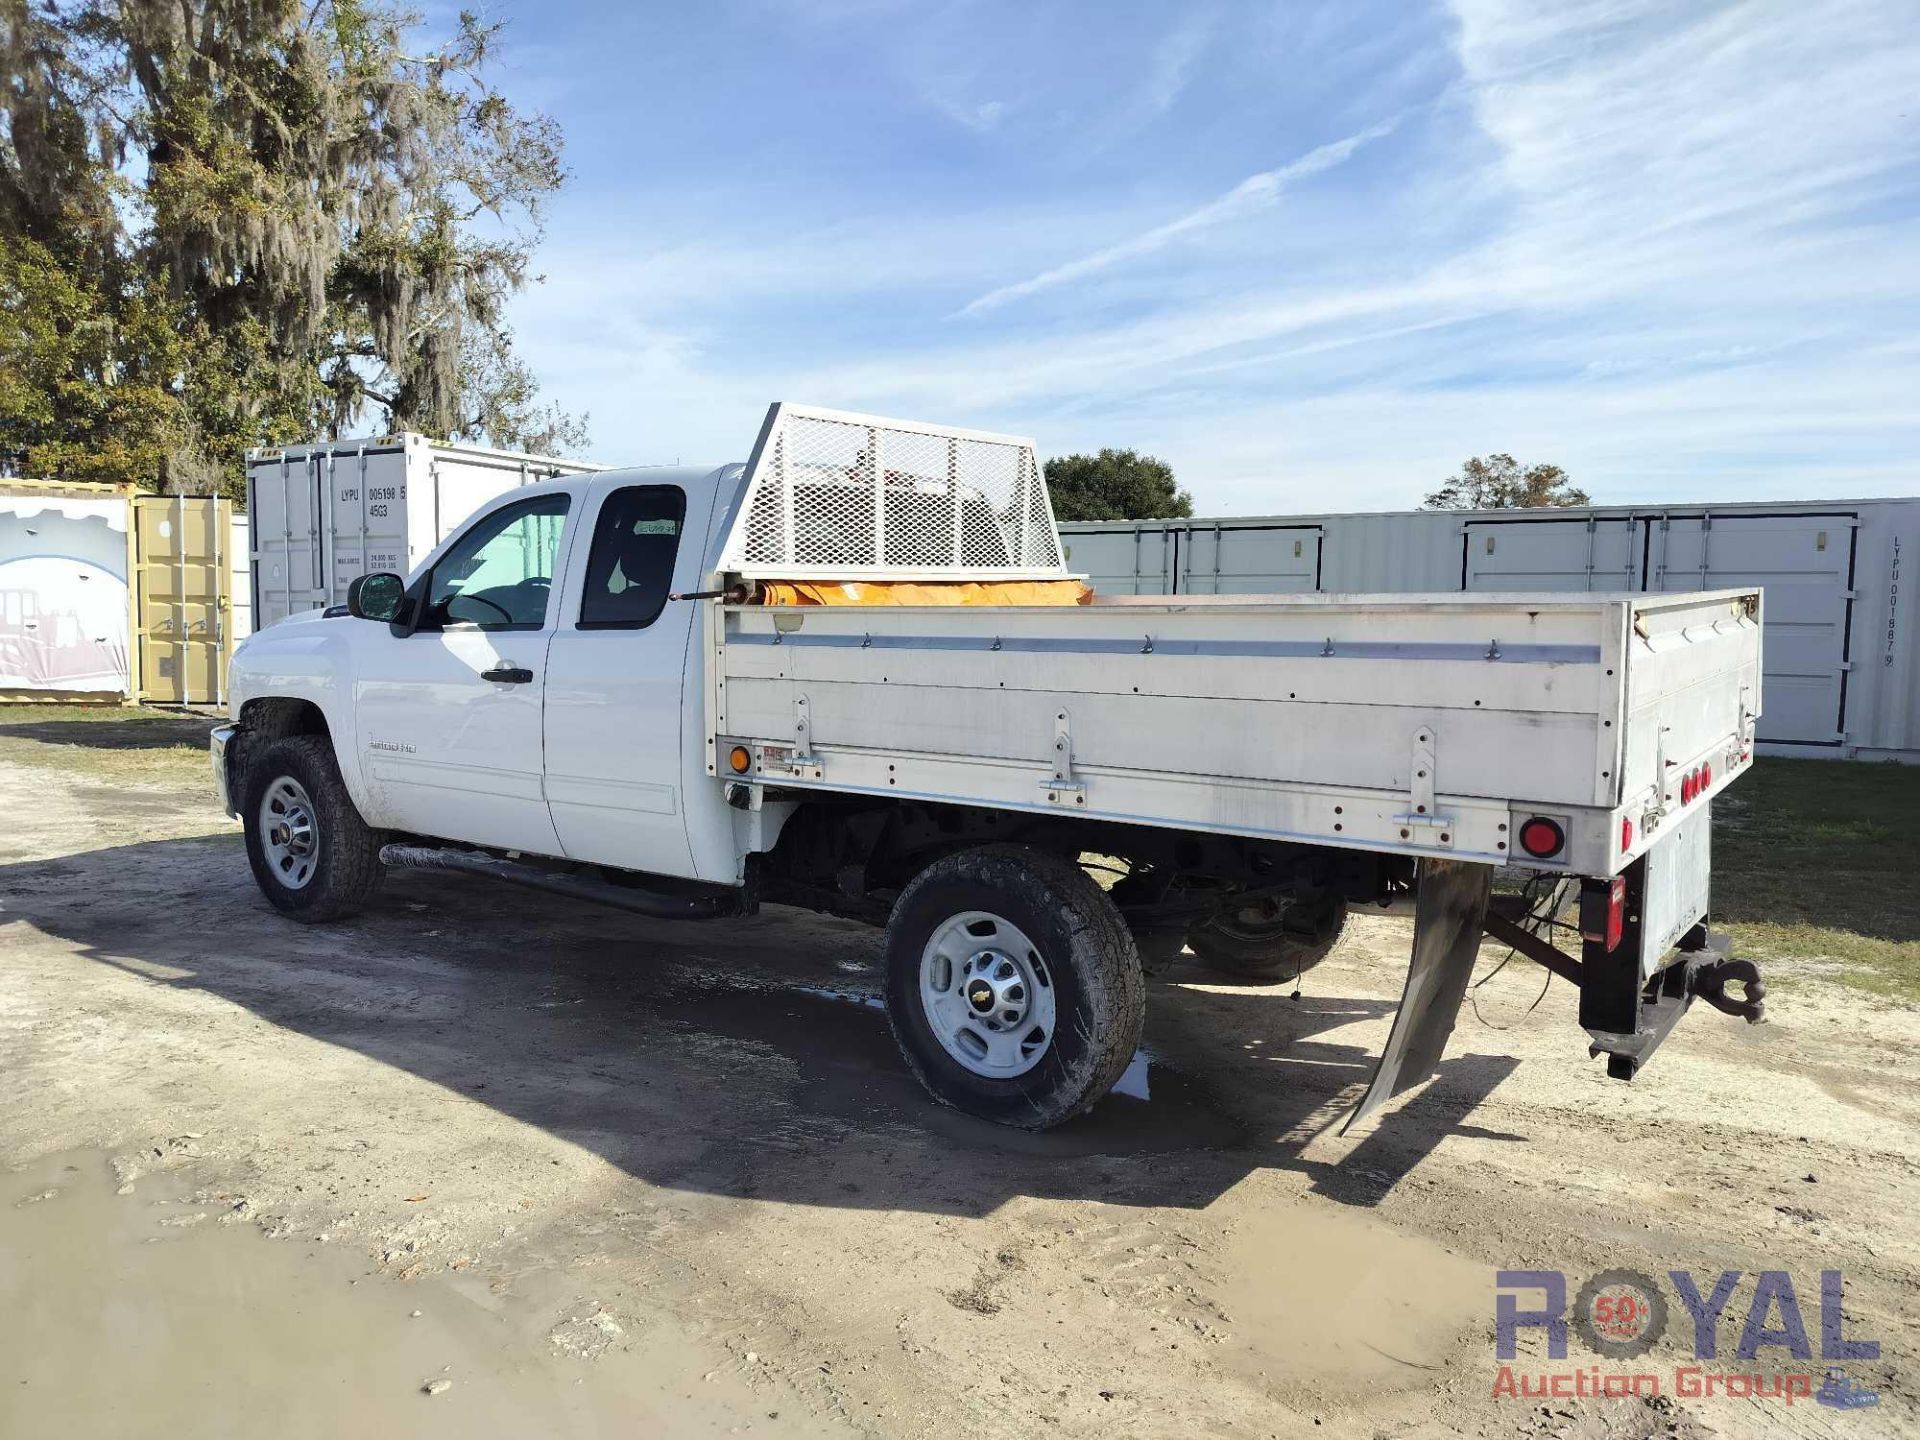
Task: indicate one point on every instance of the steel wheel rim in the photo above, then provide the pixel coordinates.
(987, 994)
(289, 832)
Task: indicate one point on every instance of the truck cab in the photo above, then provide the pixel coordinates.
(529, 693)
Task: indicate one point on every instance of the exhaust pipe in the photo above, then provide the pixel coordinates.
(657, 904)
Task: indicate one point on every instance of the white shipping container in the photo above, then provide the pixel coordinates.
(322, 515)
(1842, 654)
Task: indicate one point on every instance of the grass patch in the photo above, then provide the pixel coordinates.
(128, 743)
(1816, 861)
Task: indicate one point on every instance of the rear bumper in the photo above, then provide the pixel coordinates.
(217, 745)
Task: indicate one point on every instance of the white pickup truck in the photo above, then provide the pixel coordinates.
(595, 687)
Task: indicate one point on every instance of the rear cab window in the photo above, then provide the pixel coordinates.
(636, 542)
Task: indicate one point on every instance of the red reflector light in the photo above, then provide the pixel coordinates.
(1686, 789)
(1541, 837)
(1626, 833)
(1706, 776)
(1616, 912)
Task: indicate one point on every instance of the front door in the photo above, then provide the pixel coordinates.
(448, 717)
(616, 685)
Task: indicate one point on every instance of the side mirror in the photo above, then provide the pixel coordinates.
(376, 597)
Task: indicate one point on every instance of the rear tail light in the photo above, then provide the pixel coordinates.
(1626, 833)
(1686, 788)
(1542, 838)
(1616, 912)
(1706, 776)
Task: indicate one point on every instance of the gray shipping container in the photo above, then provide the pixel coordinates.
(321, 515)
(1842, 656)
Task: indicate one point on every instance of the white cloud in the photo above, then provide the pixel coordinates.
(1251, 196)
(1174, 61)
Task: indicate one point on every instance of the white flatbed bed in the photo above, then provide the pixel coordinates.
(1423, 725)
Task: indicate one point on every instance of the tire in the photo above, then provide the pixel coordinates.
(337, 871)
(1077, 965)
(1267, 950)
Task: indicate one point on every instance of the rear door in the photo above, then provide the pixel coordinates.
(616, 680)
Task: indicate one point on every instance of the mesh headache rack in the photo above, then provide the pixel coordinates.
(836, 496)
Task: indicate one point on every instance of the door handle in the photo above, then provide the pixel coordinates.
(508, 674)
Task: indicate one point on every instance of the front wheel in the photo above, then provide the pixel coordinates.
(313, 857)
(1013, 986)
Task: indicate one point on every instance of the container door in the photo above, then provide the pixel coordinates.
(1127, 559)
(239, 580)
(181, 572)
(1249, 559)
(1521, 556)
(366, 509)
(285, 505)
(1804, 563)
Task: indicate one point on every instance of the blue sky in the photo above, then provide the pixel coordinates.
(1313, 254)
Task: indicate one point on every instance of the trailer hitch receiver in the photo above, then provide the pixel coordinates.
(1701, 969)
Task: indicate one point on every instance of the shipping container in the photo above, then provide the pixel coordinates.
(63, 591)
(1842, 655)
(322, 515)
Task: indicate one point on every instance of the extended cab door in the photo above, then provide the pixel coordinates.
(447, 717)
(616, 678)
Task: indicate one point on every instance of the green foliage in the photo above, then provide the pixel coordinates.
(1115, 485)
(1498, 483)
(87, 375)
(227, 223)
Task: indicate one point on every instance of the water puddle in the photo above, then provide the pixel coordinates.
(1338, 1303)
(151, 1315)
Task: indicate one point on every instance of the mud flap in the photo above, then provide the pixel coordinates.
(1448, 911)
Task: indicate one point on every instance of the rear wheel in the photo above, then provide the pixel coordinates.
(1269, 941)
(1013, 986)
(313, 857)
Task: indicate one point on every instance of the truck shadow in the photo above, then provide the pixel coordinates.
(741, 1058)
(140, 730)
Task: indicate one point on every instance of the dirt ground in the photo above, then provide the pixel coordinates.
(482, 1163)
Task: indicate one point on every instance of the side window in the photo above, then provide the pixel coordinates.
(498, 575)
(631, 567)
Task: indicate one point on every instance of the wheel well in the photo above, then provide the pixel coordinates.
(279, 716)
(263, 721)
